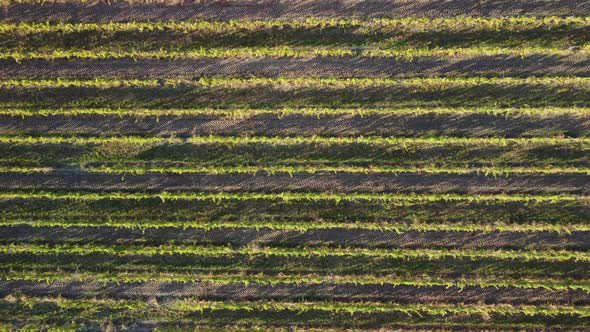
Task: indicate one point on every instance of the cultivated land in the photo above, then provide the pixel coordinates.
(295, 165)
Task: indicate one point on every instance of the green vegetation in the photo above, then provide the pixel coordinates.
(297, 279)
(128, 252)
(273, 260)
(251, 154)
(424, 24)
(551, 256)
(351, 308)
(266, 265)
(306, 226)
(306, 169)
(281, 52)
(268, 155)
(293, 196)
(317, 111)
(283, 93)
(427, 83)
(269, 170)
(395, 215)
(83, 312)
(406, 142)
(393, 35)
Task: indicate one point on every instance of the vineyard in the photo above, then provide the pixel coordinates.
(296, 165)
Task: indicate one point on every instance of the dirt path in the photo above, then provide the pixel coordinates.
(338, 67)
(93, 11)
(293, 238)
(574, 184)
(513, 94)
(403, 125)
(286, 292)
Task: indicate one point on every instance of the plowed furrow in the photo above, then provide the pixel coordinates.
(490, 66)
(294, 238)
(247, 95)
(127, 12)
(404, 125)
(576, 184)
(285, 292)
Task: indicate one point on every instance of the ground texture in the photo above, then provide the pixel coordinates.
(295, 165)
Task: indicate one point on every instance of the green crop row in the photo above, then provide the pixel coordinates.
(283, 111)
(281, 52)
(75, 313)
(270, 264)
(294, 154)
(297, 92)
(277, 140)
(430, 83)
(296, 279)
(407, 33)
(373, 265)
(271, 170)
(221, 321)
(431, 309)
(194, 305)
(295, 196)
(487, 171)
(515, 23)
(306, 226)
(217, 251)
(246, 211)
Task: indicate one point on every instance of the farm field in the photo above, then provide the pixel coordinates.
(305, 165)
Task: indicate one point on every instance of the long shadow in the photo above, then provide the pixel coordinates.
(330, 67)
(390, 125)
(186, 211)
(214, 10)
(358, 238)
(290, 292)
(185, 96)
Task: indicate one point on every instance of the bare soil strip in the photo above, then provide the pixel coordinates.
(285, 292)
(355, 269)
(273, 95)
(573, 184)
(294, 238)
(187, 211)
(321, 67)
(551, 155)
(389, 125)
(94, 11)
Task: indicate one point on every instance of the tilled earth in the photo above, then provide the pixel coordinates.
(202, 165)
